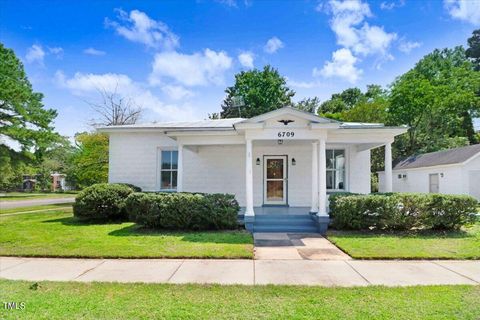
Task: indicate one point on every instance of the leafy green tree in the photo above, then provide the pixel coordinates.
(308, 104)
(437, 99)
(473, 51)
(262, 91)
(90, 159)
(341, 102)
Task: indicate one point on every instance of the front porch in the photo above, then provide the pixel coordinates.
(283, 219)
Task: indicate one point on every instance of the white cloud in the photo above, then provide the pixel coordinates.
(465, 10)
(385, 5)
(137, 26)
(303, 84)
(246, 59)
(177, 92)
(35, 54)
(273, 45)
(408, 46)
(197, 69)
(94, 52)
(348, 24)
(87, 86)
(342, 66)
(57, 51)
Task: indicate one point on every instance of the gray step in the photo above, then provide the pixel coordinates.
(285, 223)
(275, 228)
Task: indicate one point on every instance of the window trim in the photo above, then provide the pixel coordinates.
(345, 169)
(159, 169)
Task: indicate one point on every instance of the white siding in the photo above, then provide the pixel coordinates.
(215, 169)
(133, 158)
(417, 180)
(211, 169)
(359, 171)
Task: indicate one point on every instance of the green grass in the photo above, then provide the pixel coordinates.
(35, 208)
(68, 300)
(59, 234)
(17, 196)
(464, 244)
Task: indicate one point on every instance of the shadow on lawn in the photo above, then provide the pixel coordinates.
(134, 230)
(230, 236)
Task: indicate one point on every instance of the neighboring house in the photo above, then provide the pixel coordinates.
(285, 161)
(453, 171)
(29, 182)
(58, 182)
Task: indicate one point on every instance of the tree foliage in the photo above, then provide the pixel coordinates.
(262, 91)
(437, 99)
(90, 159)
(473, 50)
(23, 118)
(308, 104)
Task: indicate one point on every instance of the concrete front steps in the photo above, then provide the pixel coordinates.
(284, 223)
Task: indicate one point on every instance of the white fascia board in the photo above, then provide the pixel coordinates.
(248, 125)
(384, 130)
(438, 167)
(324, 125)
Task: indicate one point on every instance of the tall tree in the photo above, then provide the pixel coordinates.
(23, 118)
(115, 109)
(473, 50)
(340, 102)
(261, 90)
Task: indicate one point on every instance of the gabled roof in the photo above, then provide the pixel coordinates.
(450, 156)
(290, 111)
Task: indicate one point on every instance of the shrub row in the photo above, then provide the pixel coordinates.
(184, 211)
(103, 202)
(187, 211)
(401, 211)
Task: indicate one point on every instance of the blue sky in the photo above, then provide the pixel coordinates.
(175, 58)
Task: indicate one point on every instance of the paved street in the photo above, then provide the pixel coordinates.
(343, 273)
(34, 202)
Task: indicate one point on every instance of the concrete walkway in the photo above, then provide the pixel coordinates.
(295, 246)
(34, 202)
(345, 273)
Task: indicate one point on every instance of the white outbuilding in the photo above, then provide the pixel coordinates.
(453, 171)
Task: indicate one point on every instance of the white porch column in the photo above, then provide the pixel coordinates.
(388, 167)
(180, 168)
(322, 179)
(314, 207)
(249, 178)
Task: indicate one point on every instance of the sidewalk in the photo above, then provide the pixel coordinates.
(345, 273)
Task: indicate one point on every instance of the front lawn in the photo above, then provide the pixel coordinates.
(59, 234)
(68, 300)
(17, 196)
(464, 244)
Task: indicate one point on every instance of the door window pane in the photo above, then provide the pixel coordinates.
(275, 190)
(274, 168)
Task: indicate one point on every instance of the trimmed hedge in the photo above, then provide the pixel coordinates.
(102, 202)
(183, 211)
(402, 211)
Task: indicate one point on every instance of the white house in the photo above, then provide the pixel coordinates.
(453, 171)
(281, 162)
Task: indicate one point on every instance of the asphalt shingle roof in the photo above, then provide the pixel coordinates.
(451, 156)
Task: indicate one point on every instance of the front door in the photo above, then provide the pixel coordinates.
(275, 180)
(434, 183)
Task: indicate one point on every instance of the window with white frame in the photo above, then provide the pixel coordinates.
(335, 169)
(168, 169)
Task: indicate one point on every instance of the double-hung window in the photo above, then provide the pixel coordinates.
(335, 169)
(168, 170)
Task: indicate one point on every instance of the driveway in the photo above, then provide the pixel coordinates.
(34, 202)
(295, 246)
